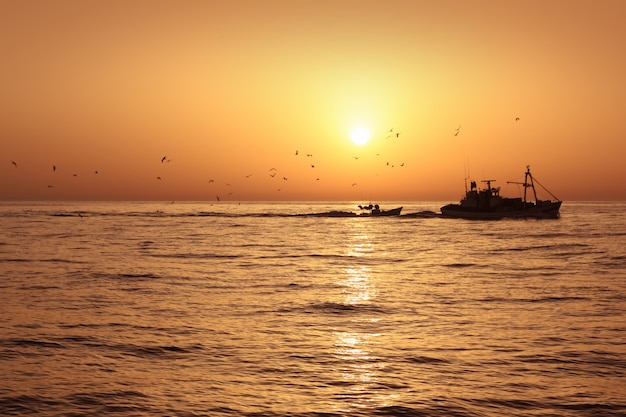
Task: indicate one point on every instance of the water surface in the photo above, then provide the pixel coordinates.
(200, 309)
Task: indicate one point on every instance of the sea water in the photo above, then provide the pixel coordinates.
(227, 309)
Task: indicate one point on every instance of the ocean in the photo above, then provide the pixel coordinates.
(251, 309)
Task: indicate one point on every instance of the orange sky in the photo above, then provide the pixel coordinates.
(228, 90)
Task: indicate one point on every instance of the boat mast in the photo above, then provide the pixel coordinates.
(527, 184)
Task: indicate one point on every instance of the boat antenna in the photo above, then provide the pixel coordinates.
(467, 173)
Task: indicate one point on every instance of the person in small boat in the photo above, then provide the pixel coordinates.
(376, 209)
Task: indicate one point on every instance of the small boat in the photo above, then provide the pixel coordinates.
(487, 204)
(374, 210)
(366, 211)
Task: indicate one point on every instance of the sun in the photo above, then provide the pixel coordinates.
(360, 135)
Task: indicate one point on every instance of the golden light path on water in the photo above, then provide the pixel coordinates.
(357, 348)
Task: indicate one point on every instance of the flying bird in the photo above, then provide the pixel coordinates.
(296, 152)
(517, 119)
(210, 181)
(163, 159)
(54, 168)
(217, 197)
(158, 178)
(458, 129)
(14, 163)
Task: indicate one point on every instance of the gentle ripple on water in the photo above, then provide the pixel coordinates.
(190, 309)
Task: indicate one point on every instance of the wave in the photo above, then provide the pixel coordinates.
(156, 351)
(342, 308)
(427, 360)
(330, 214)
(543, 247)
(549, 299)
(131, 402)
(51, 260)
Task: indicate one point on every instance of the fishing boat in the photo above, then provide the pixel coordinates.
(487, 204)
(375, 210)
(366, 211)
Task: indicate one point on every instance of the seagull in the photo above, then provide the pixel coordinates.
(210, 181)
(54, 168)
(14, 163)
(309, 154)
(163, 159)
(296, 152)
(517, 119)
(353, 184)
(312, 166)
(285, 178)
(458, 129)
(158, 178)
(217, 197)
(273, 174)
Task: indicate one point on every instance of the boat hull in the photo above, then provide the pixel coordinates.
(545, 210)
(338, 213)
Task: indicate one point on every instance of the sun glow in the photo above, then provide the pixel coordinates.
(360, 135)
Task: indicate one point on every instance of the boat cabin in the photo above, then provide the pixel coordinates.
(484, 198)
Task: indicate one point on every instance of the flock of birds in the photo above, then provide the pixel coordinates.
(273, 172)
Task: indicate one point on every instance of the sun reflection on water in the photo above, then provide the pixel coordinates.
(356, 341)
